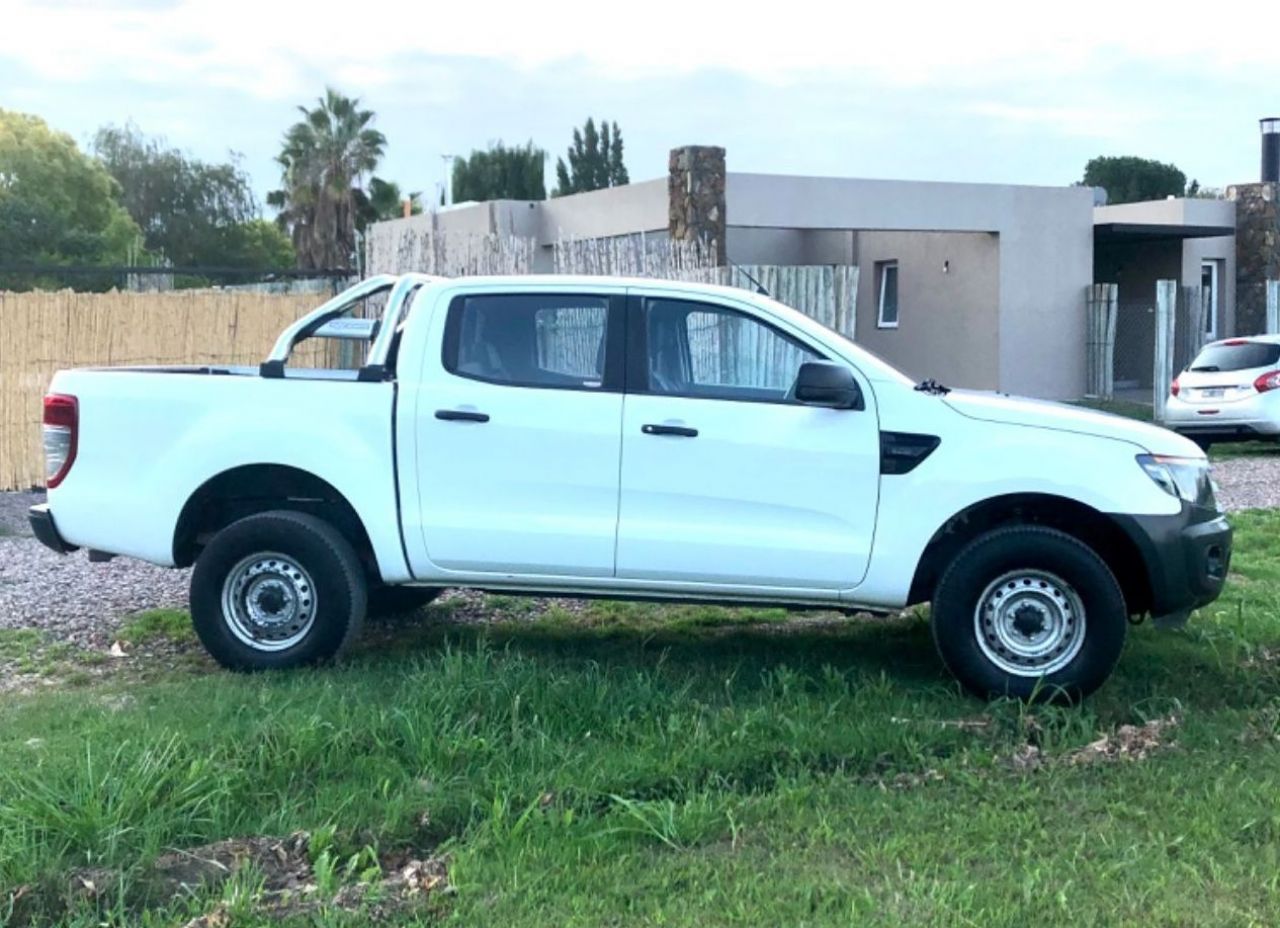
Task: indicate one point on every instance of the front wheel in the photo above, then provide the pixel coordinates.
(1029, 612)
(277, 589)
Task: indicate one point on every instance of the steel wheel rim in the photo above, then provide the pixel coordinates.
(1030, 623)
(269, 601)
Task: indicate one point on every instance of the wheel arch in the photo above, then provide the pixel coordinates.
(1090, 526)
(252, 488)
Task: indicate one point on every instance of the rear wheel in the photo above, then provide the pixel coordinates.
(1029, 612)
(277, 589)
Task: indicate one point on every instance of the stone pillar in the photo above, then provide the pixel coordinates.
(695, 188)
(1257, 251)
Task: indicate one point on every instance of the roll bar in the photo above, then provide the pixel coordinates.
(325, 322)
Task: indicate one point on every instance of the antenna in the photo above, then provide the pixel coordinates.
(759, 286)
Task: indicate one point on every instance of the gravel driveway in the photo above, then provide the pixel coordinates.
(84, 603)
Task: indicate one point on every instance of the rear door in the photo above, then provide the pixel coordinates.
(726, 479)
(517, 427)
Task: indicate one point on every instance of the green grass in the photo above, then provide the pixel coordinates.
(28, 651)
(630, 764)
(1130, 410)
(171, 625)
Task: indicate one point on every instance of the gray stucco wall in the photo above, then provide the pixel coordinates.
(1045, 253)
(948, 320)
(791, 246)
(1195, 251)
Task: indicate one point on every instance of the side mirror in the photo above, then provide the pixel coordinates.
(825, 383)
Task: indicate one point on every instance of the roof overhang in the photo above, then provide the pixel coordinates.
(1156, 232)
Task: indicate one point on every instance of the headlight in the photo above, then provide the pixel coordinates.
(1184, 478)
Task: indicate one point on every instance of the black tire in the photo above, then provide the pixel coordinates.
(313, 598)
(399, 600)
(1041, 570)
(1203, 443)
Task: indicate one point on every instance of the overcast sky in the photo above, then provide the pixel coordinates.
(1020, 92)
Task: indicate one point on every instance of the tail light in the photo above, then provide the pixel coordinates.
(61, 431)
(1268, 381)
(1174, 387)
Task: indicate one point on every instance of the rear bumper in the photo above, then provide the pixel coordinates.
(1225, 430)
(45, 530)
(1252, 417)
(1187, 557)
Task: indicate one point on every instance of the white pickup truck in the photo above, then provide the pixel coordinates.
(634, 439)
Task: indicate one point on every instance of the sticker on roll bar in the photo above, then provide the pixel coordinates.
(348, 329)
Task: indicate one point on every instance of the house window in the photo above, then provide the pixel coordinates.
(1210, 296)
(887, 293)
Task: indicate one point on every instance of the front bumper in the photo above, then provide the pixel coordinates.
(45, 530)
(1187, 557)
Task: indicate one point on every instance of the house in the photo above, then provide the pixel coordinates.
(976, 285)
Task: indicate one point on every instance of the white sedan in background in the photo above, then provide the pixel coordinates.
(1230, 392)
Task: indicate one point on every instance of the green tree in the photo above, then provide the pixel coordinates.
(324, 160)
(382, 201)
(1129, 179)
(258, 245)
(595, 160)
(188, 210)
(501, 173)
(57, 205)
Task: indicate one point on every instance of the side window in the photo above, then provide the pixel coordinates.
(695, 349)
(531, 340)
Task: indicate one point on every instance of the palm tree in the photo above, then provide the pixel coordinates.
(323, 163)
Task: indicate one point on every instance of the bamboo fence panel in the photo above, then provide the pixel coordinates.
(43, 332)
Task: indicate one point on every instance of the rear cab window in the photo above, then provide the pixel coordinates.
(565, 341)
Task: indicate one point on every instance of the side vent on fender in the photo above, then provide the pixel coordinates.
(902, 452)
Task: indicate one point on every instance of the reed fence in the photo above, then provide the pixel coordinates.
(42, 332)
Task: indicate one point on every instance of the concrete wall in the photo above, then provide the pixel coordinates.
(1045, 253)
(1196, 251)
(791, 246)
(948, 319)
(639, 207)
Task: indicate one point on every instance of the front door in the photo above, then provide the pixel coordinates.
(518, 433)
(726, 479)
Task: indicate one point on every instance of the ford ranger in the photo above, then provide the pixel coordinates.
(591, 436)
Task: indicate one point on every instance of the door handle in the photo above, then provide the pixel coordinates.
(461, 415)
(679, 430)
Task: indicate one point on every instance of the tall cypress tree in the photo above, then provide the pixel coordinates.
(594, 160)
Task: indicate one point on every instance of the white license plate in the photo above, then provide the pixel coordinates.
(1213, 393)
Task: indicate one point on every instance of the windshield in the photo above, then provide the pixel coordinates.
(1236, 355)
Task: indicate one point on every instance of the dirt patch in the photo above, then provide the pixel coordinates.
(287, 882)
(1126, 743)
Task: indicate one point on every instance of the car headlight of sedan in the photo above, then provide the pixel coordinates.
(1183, 478)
